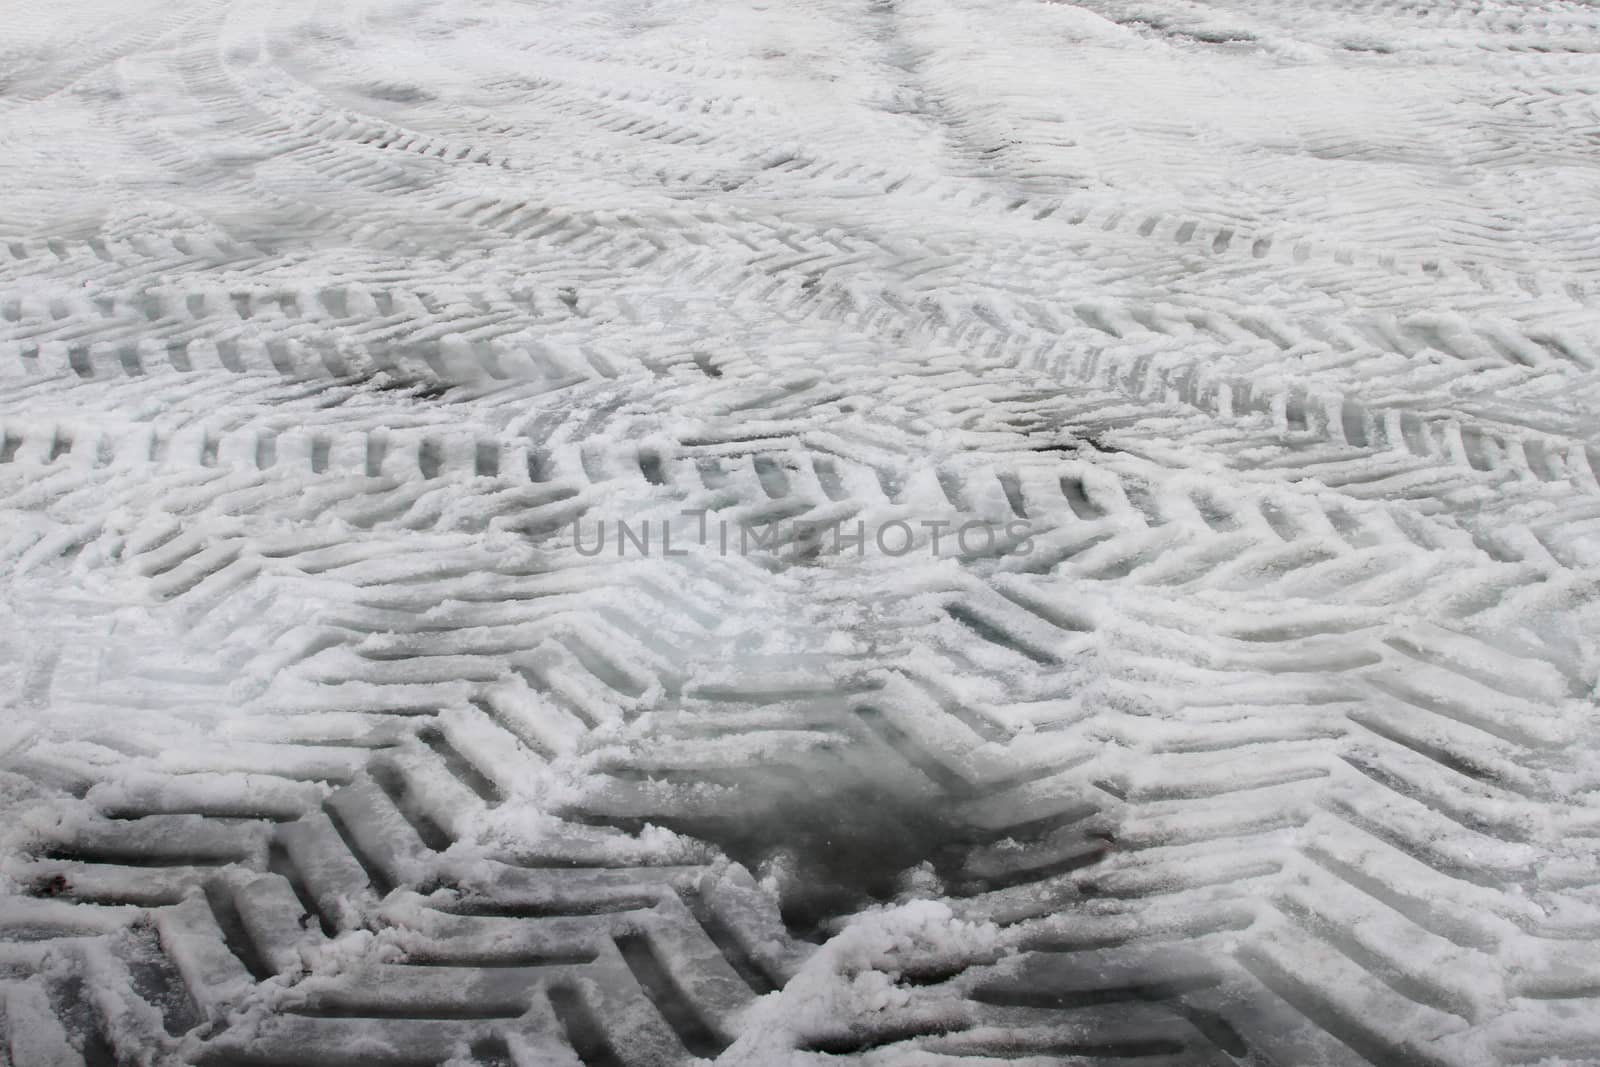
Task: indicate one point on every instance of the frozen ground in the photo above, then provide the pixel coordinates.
(1263, 337)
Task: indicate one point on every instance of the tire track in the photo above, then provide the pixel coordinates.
(1269, 750)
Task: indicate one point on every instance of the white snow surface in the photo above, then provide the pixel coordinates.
(1256, 346)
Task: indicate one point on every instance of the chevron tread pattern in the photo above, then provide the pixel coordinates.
(349, 731)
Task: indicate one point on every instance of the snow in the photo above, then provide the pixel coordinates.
(1209, 391)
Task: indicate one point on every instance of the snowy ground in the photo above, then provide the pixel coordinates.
(1215, 388)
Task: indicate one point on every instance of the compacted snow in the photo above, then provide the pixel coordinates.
(914, 532)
